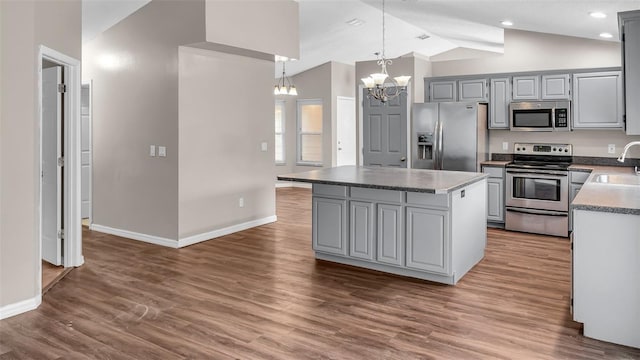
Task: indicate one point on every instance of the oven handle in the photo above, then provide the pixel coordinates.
(537, 172)
(538, 212)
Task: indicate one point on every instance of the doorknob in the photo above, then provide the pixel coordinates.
(403, 159)
(339, 148)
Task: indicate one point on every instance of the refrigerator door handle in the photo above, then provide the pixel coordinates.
(440, 146)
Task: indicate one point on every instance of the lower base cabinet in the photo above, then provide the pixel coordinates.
(426, 233)
(330, 230)
(405, 233)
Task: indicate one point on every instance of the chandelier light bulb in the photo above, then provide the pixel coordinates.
(379, 78)
(293, 91)
(402, 80)
(368, 82)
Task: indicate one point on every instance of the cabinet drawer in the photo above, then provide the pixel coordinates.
(579, 177)
(494, 172)
(330, 190)
(376, 194)
(438, 200)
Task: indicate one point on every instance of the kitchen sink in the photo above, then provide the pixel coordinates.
(617, 179)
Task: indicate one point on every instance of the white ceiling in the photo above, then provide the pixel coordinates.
(474, 24)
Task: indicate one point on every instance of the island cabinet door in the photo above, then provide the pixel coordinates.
(427, 240)
(361, 230)
(389, 234)
(330, 225)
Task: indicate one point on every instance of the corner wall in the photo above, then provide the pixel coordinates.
(226, 113)
(24, 26)
(134, 68)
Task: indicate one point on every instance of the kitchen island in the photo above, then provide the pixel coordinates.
(426, 224)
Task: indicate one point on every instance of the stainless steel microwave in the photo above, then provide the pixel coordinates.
(540, 116)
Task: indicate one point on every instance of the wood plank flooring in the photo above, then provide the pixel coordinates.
(260, 294)
(51, 274)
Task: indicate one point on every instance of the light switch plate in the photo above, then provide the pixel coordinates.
(505, 145)
(152, 150)
(162, 151)
(611, 148)
(264, 146)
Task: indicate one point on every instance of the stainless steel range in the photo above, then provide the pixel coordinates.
(537, 194)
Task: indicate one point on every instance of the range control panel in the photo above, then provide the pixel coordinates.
(543, 149)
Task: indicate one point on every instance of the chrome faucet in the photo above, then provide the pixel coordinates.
(624, 154)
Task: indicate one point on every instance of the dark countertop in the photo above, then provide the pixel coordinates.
(417, 180)
(622, 199)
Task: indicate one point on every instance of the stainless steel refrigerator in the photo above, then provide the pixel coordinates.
(449, 136)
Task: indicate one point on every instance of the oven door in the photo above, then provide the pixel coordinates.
(535, 189)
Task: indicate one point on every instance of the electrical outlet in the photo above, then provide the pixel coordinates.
(162, 151)
(241, 202)
(611, 148)
(264, 146)
(505, 145)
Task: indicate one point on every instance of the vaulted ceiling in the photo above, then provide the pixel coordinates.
(326, 35)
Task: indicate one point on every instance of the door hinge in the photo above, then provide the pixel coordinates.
(61, 161)
(571, 301)
(62, 88)
(61, 234)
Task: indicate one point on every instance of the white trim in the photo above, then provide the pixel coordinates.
(190, 240)
(285, 184)
(360, 105)
(152, 239)
(20, 307)
(72, 253)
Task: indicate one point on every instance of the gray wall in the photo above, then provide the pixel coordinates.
(226, 112)
(269, 27)
(24, 26)
(530, 51)
(134, 68)
(325, 82)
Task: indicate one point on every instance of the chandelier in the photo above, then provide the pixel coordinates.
(378, 86)
(284, 85)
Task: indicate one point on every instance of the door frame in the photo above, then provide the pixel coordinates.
(72, 253)
(90, 86)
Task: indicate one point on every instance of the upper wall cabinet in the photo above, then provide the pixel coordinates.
(499, 103)
(443, 91)
(629, 22)
(526, 87)
(555, 87)
(473, 90)
(597, 100)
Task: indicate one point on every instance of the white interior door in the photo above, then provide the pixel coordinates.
(346, 131)
(85, 150)
(51, 169)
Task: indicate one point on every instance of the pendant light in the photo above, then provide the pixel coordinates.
(284, 85)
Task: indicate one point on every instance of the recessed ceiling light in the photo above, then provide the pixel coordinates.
(423, 37)
(606, 35)
(355, 22)
(506, 23)
(598, 15)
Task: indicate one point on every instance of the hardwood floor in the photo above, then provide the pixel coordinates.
(51, 274)
(260, 294)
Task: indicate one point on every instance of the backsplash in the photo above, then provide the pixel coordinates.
(586, 143)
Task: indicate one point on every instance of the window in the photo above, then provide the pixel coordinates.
(309, 132)
(280, 125)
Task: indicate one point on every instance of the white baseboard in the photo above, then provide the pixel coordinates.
(190, 240)
(293, 184)
(157, 240)
(20, 307)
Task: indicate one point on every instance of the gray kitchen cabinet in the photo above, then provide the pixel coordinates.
(629, 22)
(361, 229)
(556, 87)
(526, 87)
(427, 231)
(389, 234)
(499, 103)
(473, 90)
(443, 91)
(495, 194)
(576, 180)
(597, 100)
(329, 233)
